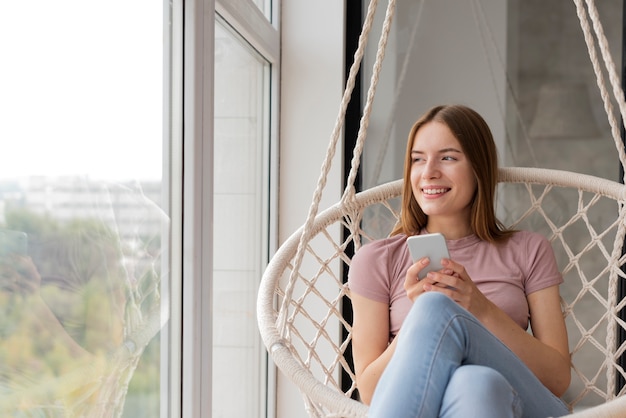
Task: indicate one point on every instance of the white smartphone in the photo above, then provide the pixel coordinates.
(432, 246)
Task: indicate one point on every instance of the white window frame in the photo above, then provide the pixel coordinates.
(193, 217)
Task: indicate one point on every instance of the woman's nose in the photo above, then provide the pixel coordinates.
(431, 170)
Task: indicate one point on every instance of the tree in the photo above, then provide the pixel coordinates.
(85, 301)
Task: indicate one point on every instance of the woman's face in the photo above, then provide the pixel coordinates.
(442, 178)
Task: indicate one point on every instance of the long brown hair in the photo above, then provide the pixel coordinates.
(476, 140)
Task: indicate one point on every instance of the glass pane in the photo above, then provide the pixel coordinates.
(81, 215)
(241, 177)
(265, 7)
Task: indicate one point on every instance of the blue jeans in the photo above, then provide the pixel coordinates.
(447, 364)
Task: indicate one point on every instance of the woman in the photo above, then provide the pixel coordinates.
(454, 344)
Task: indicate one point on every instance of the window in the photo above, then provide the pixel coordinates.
(102, 242)
(241, 148)
(244, 208)
(83, 272)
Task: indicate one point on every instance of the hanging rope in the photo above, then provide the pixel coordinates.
(479, 16)
(610, 67)
(386, 137)
(317, 196)
(367, 110)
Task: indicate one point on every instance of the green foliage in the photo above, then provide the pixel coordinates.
(87, 289)
(30, 222)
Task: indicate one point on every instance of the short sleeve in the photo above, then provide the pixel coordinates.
(542, 270)
(368, 275)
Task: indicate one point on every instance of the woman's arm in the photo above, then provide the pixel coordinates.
(548, 326)
(370, 343)
(545, 352)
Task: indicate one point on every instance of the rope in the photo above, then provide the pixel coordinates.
(382, 149)
(610, 66)
(616, 134)
(367, 110)
(611, 69)
(317, 196)
(479, 12)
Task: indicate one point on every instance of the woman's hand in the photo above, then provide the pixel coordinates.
(412, 283)
(414, 286)
(454, 282)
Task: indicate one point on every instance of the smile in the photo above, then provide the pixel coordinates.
(435, 191)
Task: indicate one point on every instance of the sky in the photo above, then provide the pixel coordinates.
(81, 88)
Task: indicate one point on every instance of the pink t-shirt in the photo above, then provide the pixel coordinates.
(506, 273)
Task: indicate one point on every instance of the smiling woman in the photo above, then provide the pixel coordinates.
(411, 333)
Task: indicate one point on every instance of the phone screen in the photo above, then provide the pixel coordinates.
(432, 246)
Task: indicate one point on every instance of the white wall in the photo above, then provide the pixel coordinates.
(311, 89)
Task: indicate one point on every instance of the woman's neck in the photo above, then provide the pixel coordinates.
(450, 228)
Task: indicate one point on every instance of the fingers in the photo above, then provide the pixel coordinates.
(455, 267)
(444, 279)
(452, 280)
(412, 284)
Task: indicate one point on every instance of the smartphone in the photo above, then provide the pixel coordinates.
(432, 246)
(13, 242)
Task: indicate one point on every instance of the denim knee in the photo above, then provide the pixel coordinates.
(433, 306)
(481, 392)
(431, 302)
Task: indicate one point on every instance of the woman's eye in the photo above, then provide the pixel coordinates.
(448, 158)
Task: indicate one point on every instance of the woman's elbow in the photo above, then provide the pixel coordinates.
(365, 392)
(560, 385)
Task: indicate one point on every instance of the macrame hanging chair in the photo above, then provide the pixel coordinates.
(302, 290)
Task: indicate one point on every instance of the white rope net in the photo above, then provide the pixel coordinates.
(591, 266)
(302, 293)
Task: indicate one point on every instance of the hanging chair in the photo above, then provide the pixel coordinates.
(303, 291)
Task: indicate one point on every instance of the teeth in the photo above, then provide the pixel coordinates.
(434, 191)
